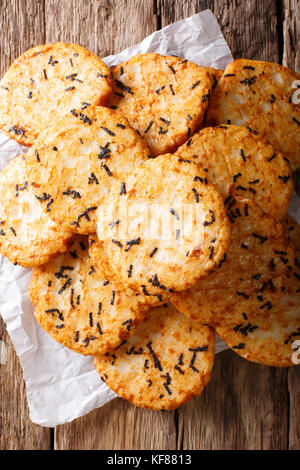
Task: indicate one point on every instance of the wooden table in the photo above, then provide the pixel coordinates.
(246, 406)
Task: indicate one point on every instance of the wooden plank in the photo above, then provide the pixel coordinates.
(291, 34)
(103, 27)
(17, 431)
(294, 415)
(117, 426)
(244, 407)
(291, 58)
(21, 27)
(250, 27)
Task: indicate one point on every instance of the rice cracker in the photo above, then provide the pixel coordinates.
(47, 82)
(265, 98)
(74, 162)
(165, 363)
(164, 227)
(28, 236)
(163, 97)
(82, 306)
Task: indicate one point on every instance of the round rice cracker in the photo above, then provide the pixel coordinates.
(47, 82)
(82, 306)
(75, 161)
(253, 276)
(270, 339)
(262, 96)
(241, 163)
(165, 363)
(165, 227)
(28, 236)
(163, 97)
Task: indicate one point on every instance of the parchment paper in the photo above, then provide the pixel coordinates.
(63, 385)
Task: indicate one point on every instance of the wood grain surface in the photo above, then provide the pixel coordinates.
(246, 406)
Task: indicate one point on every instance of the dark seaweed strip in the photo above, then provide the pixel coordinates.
(91, 271)
(73, 254)
(248, 67)
(45, 74)
(212, 220)
(242, 294)
(249, 81)
(108, 131)
(84, 105)
(159, 90)
(144, 289)
(236, 176)
(60, 274)
(284, 179)
(202, 180)
(195, 84)
(74, 194)
(243, 155)
(70, 88)
(130, 243)
(124, 87)
(116, 242)
(107, 169)
(172, 69)
(161, 131)
(268, 305)
(129, 272)
(153, 252)
(99, 328)
(252, 130)
(196, 195)
(123, 189)
(29, 96)
(65, 286)
(113, 224)
(272, 157)
(86, 213)
(18, 130)
(165, 121)
(180, 360)
(260, 237)
(173, 212)
(93, 179)
(157, 363)
(172, 91)
(121, 126)
(101, 76)
(113, 295)
(167, 383)
(99, 308)
(239, 346)
(148, 127)
(229, 75)
(296, 120)
(91, 319)
(105, 151)
(179, 370)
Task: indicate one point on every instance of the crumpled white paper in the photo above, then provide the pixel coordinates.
(63, 385)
